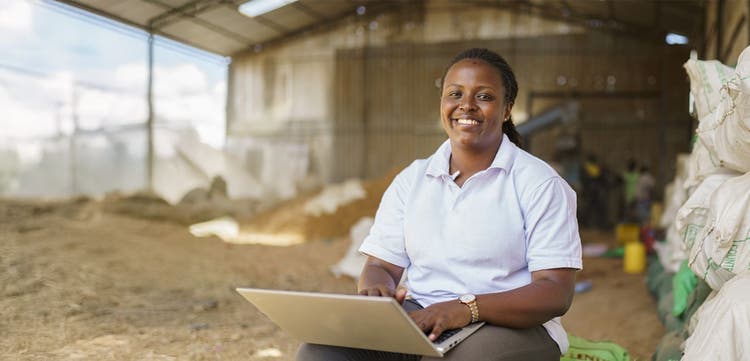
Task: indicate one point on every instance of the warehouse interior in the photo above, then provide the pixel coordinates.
(125, 237)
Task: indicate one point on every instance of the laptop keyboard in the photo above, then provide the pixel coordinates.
(446, 334)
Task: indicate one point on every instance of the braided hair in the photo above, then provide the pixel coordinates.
(509, 82)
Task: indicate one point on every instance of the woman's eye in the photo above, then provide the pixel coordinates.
(485, 97)
(454, 94)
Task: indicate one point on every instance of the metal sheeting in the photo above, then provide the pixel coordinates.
(631, 16)
(217, 26)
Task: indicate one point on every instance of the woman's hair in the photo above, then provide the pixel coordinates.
(509, 82)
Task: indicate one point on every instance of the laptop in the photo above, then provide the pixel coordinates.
(375, 323)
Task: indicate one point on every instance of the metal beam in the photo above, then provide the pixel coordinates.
(271, 24)
(150, 120)
(308, 10)
(573, 17)
(596, 94)
(560, 113)
(191, 11)
(143, 27)
(101, 13)
(373, 8)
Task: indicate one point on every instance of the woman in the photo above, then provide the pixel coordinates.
(485, 231)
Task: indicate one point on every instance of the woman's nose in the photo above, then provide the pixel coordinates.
(467, 105)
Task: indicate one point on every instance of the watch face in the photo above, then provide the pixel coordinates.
(467, 298)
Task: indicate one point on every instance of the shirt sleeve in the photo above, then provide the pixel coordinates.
(386, 237)
(551, 227)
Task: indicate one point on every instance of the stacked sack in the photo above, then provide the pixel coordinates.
(713, 223)
(719, 250)
(671, 252)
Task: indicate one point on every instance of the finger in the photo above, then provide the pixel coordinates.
(385, 291)
(373, 292)
(400, 295)
(437, 330)
(366, 291)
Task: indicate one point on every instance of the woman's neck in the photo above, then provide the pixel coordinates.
(469, 162)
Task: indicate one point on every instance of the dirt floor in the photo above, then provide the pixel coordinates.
(80, 282)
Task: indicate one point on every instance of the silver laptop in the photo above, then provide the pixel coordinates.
(375, 323)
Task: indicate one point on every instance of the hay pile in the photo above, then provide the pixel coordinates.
(290, 216)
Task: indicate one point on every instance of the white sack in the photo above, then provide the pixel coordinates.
(671, 252)
(706, 78)
(722, 324)
(352, 263)
(675, 193)
(721, 248)
(726, 131)
(693, 215)
(675, 196)
(703, 164)
(332, 197)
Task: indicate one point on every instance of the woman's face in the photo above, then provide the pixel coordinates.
(472, 106)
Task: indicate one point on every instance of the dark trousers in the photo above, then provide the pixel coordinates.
(489, 343)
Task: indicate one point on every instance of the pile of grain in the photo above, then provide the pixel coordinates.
(290, 216)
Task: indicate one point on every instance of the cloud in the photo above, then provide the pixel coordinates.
(15, 16)
(40, 107)
(25, 113)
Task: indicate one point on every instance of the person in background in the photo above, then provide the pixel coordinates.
(643, 194)
(630, 181)
(594, 188)
(483, 230)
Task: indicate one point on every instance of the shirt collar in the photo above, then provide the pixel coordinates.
(505, 155)
(439, 163)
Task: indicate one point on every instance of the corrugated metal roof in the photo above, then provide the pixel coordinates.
(217, 25)
(634, 16)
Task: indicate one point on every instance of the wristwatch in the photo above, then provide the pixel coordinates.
(471, 302)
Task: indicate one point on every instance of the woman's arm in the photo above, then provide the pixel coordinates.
(549, 295)
(380, 278)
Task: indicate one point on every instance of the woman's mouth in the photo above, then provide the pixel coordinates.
(467, 122)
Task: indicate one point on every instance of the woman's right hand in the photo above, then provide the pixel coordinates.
(379, 278)
(385, 291)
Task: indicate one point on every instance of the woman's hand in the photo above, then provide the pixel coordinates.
(379, 278)
(439, 317)
(383, 290)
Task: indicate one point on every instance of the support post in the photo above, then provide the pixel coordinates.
(150, 121)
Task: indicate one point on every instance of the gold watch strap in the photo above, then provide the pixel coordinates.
(474, 311)
(471, 302)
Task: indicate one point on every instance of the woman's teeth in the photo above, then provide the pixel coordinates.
(467, 121)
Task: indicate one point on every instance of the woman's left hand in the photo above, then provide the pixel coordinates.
(439, 317)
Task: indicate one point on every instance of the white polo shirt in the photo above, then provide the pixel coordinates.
(513, 218)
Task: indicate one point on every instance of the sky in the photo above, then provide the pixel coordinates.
(60, 66)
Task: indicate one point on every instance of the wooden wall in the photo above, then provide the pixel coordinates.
(632, 96)
(727, 30)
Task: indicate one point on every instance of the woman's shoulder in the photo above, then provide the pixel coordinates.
(531, 169)
(412, 173)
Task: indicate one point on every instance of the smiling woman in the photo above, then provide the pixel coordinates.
(483, 230)
(479, 89)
